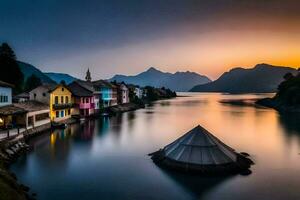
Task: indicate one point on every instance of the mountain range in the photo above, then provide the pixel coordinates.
(28, 70)
(58, 77)
(261, 78)
(179, 81)
(46, 78)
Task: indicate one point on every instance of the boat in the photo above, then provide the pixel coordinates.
(198, 151)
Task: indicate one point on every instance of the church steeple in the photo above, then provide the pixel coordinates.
(88, 76)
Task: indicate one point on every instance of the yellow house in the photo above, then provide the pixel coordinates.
(60, 103)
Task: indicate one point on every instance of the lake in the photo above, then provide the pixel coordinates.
(107, 158)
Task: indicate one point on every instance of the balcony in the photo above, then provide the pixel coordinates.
(86, 105)
(62, 106)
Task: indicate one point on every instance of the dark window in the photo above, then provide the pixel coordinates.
(87, 100)
(34, 95)
(67, 99)
(62, 113)
(44, 94)
(62, 89)
(57, 114)
(1, 99)
(43, 116)
(61, 99)
(56, 100)
(69, 112)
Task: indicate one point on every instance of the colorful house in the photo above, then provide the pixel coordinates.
(107, 93)
(58, 97)
(83, 98)
(26, 115)
(122, 93)
(5, 93)
(139, 92)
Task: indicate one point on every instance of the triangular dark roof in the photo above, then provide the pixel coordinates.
(199, 151)
(200, 147)
(86, 84)
(103, 83)
(79, 90)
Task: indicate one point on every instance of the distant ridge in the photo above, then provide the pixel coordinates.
(262, 78)
(179, 81)
(58, 77)
(28, 70)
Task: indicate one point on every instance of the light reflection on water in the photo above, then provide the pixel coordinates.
(107, 158)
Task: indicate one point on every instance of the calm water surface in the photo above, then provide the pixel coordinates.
(107, 158)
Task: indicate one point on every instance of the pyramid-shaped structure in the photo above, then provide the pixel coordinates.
(199, 150)
(200, 147)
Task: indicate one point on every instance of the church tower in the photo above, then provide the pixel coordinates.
(88, 76)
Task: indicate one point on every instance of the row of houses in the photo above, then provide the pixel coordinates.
(59, 102)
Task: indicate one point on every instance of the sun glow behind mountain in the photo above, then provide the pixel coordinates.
(208, 37)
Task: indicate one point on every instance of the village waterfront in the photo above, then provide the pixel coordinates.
(106, 158)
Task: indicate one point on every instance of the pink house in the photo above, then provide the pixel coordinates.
(83, 98)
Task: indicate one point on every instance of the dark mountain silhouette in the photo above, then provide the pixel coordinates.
(58, 77)
(28, 70)
(179, 81)
(261, 78)
(287, 98)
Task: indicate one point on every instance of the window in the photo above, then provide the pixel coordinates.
(69, 112)
(86, 100)
(57, 114)
(67, 99)
(61, 99)
(62, 113)
(62, 89)
(44, 94)
(34, 95)
(42, 116)
(3, 99)
(56, 100)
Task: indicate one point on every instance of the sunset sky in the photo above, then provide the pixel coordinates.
(127, 37)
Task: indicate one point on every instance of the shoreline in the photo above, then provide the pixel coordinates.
(272, 103)
(12, 148)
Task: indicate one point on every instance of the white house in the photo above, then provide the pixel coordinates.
(123, 93)
(5, 93)
(139, 92)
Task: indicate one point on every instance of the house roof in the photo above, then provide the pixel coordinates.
(23, 95)
(11, 110)
(51, 87)
(48, 87)
(4, 84)
(86, 84)
(103, 83)
(30, 106)
(79, 90)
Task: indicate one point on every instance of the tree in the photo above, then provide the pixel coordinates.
(10, 71)
(32, 82)
(6, 50)
(288, 76)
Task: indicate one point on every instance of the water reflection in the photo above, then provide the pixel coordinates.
(291, 122)
(107, 158)
(195, 184)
